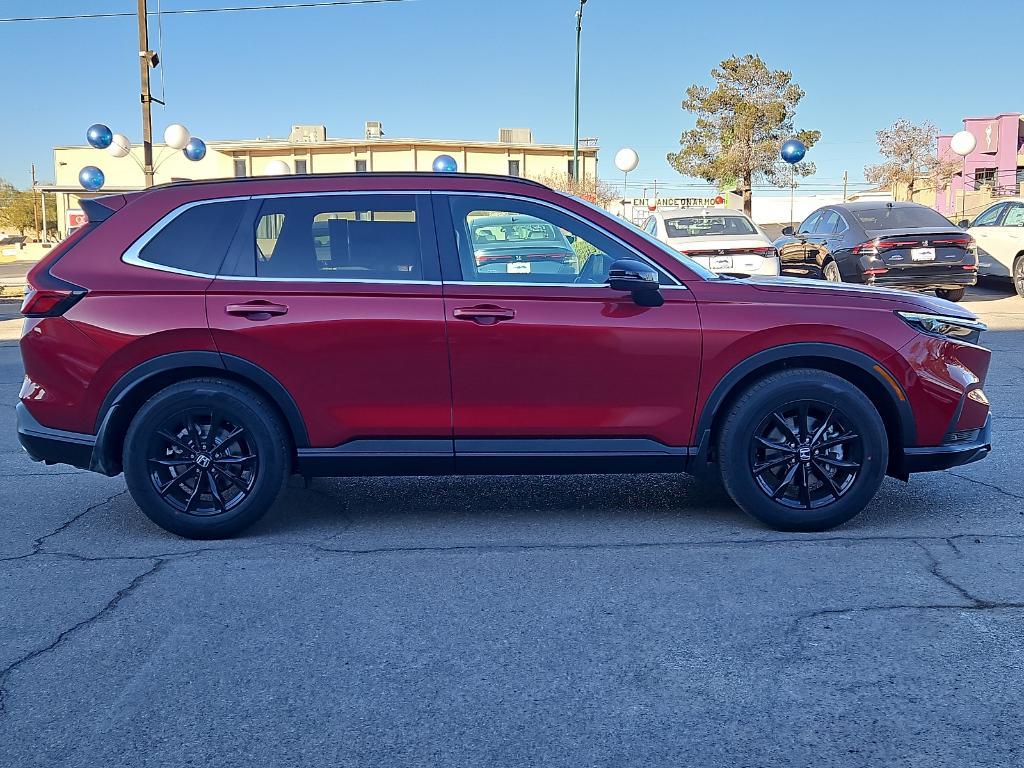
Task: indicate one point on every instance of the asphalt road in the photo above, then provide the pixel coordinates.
(589, 621)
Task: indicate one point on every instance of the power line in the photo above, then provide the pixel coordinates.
(192, 11)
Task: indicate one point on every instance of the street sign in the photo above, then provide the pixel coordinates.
(75, 218)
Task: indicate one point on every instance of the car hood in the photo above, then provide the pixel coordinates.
(910, 302)
(730, 242)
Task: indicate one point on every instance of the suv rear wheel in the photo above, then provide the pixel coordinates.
(205, 458)
(802, 450)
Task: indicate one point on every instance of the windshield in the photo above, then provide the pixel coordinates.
(686, 261)
(708, 226)
(897, 217)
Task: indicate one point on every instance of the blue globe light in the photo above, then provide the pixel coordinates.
(793, 151)
(195, 149)
(91, 178)
(445, 164)
(99, 136)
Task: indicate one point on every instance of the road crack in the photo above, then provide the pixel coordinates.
(39, 543)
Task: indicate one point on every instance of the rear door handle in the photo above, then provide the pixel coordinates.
(485, 314)
(256, 310)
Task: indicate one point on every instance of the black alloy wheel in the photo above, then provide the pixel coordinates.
(203, 463)
(805, 454)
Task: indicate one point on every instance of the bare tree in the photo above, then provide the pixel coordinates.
(909, 152)
(594, 190)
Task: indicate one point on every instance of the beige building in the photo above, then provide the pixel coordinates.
(308, 150)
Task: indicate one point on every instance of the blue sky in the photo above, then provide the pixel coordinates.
(464, 68)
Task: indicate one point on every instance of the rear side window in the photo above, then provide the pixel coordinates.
(341, 237)
(197, 239)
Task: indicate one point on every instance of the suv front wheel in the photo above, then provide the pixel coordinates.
(802, 450)
(205, 458)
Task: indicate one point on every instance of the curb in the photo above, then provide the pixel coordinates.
(12, 291)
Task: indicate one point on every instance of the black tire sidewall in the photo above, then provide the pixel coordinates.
(951, 294)
(241, 405)
(772, 392)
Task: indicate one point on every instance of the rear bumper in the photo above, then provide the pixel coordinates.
(946, 456)
(53, 446)
(924, 282)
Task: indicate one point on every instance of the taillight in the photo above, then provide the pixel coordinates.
(49, 296)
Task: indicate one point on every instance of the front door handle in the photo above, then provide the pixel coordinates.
(256, 310)
(485, 314)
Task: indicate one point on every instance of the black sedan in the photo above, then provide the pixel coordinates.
(897, 245)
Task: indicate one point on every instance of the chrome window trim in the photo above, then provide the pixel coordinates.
(245, 279)
(551, 285)
(585, 222)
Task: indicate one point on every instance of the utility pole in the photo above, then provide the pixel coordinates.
(146, 60)
(846, 178)
(35, 208)
(576, 111)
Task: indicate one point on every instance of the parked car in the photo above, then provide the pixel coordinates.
(723, 241)
(896, 245)
(198, 337)
(520, 244)
(999, 233)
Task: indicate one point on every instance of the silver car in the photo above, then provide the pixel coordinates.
(721, 240)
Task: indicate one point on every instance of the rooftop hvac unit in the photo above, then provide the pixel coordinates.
(515, 136)
(374, 129)
(307, 134)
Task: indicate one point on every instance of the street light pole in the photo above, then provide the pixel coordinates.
(145, 61)
(576, 112)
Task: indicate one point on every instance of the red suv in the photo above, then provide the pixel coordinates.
(209, 339)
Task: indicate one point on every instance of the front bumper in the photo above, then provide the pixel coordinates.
(939, 457)
(53, 446)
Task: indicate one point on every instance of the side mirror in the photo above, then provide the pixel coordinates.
(637, 278)
(788, 230)
(963, 224)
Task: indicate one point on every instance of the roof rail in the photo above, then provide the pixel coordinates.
(349, 175)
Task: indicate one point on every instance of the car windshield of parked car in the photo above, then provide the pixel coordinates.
(897, 217)
(708, 226)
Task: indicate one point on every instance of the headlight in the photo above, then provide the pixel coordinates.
(957, 328)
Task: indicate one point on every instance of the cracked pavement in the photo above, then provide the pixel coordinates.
(581, 621)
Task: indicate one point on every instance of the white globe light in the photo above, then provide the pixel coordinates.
(119, 145)
(963, 143)
(176, 136)
(277, 168)
(626, 159)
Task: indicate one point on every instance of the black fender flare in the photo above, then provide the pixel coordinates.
(204, 359)
(728, 383)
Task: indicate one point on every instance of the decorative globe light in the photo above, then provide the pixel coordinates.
(195, 150)
(445, 164)
(277, 168)
(176, 136)
(91, 178)
(98, 136)
(963, 143)
(793, 151)
(119, 145)
(626, 159)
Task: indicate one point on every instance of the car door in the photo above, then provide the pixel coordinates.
(1007, 239)
(987, 231)
(337, 297)
(820, 237)
(793, 258)
(550, 366)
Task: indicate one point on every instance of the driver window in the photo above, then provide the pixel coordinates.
(502, 240)
(990, 218)
(808, 226)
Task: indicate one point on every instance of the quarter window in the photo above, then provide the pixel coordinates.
(197, 239)
(351, 237)
(515, 241)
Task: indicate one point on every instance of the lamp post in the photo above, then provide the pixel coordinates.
(963, 143)
(576, 111)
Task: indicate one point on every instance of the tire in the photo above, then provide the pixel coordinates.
(950, 294)
(831, 272)
(169, 448)
(840, 479)
(1018, 274)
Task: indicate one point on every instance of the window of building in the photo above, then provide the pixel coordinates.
(571, 169)
(516, 241)
(353, 237)
(301, 166)
(361, 166)
(240, 169)
(197, 240)
(513, 167)
(985, 177)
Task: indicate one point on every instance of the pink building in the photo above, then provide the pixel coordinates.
(996, 162)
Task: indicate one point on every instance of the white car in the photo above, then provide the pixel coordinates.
(721, 240)
(999, 234)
